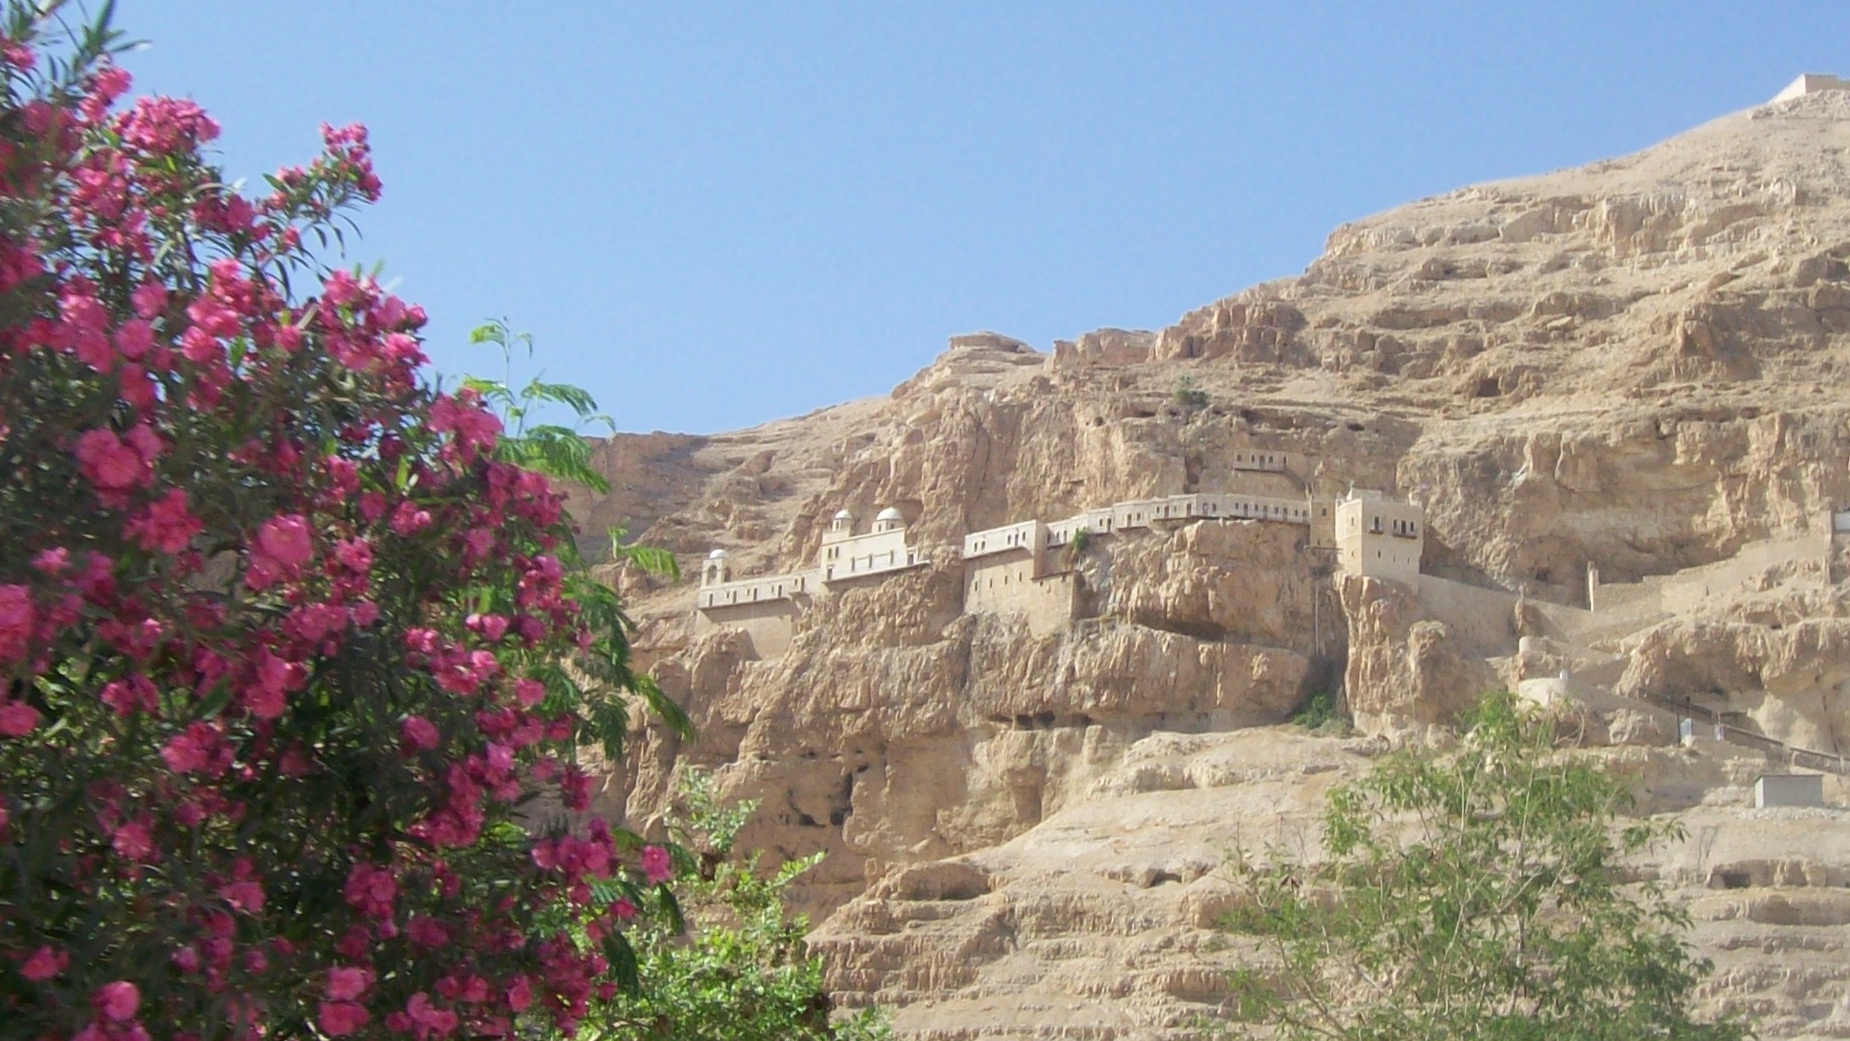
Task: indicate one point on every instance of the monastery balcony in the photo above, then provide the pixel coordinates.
(1029, 536)
(1270, 462)
(763, 589)
(866, 564)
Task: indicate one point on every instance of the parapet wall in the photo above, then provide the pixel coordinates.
(1483, 619)
(769, 624)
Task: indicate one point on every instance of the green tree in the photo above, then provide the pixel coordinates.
(1480, 896)
(739, 970)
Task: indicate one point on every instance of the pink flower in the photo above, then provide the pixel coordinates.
(167, 526)
(134, 840)
(150, 299)
(112, 464)
(426, 932)
(355, 555)
(656, 864)
(44, 964)
(529, 692)
(265, 690)
(200, 748)
(520, 995)
(346, 983)
(280, 549)
(428, 1020)
(624, 909)
(243, 896)
(575, 789)
(17, 719)
(286, 540)
(17, 617)
(83, 331)
(475, 427)
(419, 733)
(340, 1018)
(408, 520)
(133, 338)
(52, 561)
(371, 890)
(117, 1001)
(135, 694)
(491, 626)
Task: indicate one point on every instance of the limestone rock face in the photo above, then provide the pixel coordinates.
(1616, 391)
(1404, 670)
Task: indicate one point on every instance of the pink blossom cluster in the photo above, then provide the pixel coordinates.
(276, 624)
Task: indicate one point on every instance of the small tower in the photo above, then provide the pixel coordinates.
(1380, 537)
(841, 526)
(889, 519)
(716, 569)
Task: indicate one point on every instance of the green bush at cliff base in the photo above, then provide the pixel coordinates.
(1479, 895)
(739, 971)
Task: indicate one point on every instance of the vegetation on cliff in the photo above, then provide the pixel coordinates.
(1477, 895)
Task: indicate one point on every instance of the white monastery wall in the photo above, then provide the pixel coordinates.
(1008, 585)
(867, 554)
(1380, 537)
(1020, 569)
(768, 624)
(755, 590)
(1265, 460)
(1811, 83)
(1029, 536)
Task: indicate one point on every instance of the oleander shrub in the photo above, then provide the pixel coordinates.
(295, 666)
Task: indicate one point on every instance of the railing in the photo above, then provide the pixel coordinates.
(1810, 759)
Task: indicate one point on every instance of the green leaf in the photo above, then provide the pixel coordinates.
(622, 958)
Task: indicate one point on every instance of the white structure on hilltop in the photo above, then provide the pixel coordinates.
(1810, 83)
(1027, 568)
(846, 555)
(1380, 537)
(765, 606)
(1788, 790)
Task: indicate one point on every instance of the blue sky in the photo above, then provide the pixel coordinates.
(713, 215)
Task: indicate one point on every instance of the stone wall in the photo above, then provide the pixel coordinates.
(768, 624)
(1482, 619)
(1005, 584)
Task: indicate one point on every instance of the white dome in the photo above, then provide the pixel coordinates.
(718, 554)
(843, 515)
(890, 514)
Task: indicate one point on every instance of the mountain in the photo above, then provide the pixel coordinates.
(1616, 395)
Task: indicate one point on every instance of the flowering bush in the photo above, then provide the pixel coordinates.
(289, 648)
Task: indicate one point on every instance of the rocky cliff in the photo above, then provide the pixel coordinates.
(1618, 393)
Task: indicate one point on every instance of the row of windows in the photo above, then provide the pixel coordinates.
(1406, 529)
(753, 594)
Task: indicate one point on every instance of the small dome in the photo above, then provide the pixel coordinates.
(843, 515)
(890, 514)
(718, 554)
